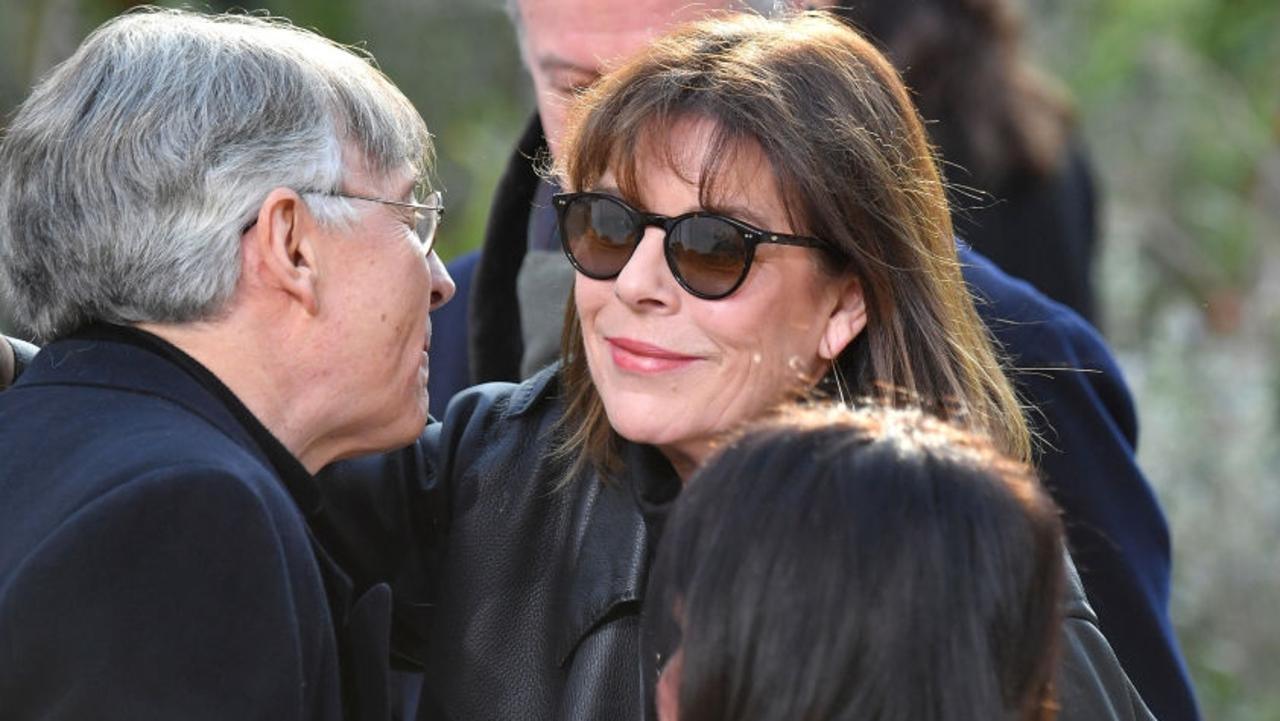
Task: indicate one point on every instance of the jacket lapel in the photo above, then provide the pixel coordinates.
(609, 569)
(104, 363)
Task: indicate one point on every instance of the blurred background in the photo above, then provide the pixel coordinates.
(1179, 102)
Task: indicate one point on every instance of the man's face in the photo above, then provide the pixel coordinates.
(569, 44)
(381, 289)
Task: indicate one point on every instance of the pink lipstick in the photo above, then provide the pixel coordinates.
(639, 357)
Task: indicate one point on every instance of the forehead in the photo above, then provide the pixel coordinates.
(358, 174)
(690, 145)
(593, 34)
(685, 157)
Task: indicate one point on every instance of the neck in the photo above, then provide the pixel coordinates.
(249, 366)
(686, 458)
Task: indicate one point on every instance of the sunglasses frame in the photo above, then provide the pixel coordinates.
(751, 235)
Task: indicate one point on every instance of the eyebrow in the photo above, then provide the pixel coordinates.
(555, 62)
(732, 211)
(740, 213)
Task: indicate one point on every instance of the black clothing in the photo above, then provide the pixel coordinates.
(156, 558)
(534, 610)
(1040, 229)
(297, 479)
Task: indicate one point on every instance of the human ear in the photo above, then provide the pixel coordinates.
(6, 363)
(280, 249)
(847, 319)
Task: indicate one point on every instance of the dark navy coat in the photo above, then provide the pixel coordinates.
(153, 562)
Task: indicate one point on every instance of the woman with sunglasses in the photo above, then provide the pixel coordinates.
(756, 218)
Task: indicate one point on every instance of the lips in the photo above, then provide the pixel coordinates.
(640, 357)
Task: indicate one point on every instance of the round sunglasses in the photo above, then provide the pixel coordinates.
(709, 254)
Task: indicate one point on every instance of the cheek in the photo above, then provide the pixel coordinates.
(406, 300)
(589, 296)
(552, 111)
(772, 344)
(748, 333)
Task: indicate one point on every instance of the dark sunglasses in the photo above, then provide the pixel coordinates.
(708, 254)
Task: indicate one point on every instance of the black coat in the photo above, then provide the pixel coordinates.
(155, 556)
(1042, 229)
(1084, 411)
(535, 583)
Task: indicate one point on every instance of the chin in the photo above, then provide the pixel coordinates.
(407, 426)
(402, 434)
(652, 427)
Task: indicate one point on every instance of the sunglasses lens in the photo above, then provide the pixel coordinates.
(599, 236)
(709, 254)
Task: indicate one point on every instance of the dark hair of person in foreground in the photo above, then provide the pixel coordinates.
(869, 564)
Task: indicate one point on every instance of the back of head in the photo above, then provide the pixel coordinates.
(994, 114)
(875, 565)
(130, 173)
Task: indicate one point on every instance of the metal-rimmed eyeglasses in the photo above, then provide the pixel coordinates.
(426, 214)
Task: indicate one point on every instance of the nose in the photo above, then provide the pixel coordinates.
(442, 285)
(646, 281)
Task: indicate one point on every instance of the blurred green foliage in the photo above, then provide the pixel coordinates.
(1193, 87)
(1180, 101)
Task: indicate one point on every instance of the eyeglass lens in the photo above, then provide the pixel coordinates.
(428, 220)
(708, 255)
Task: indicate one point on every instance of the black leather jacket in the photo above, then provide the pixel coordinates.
(527, 586)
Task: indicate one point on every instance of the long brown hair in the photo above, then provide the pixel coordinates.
(855, 168)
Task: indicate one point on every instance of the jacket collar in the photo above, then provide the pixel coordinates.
(527, 396)
(138, 362)
(131, 360)
(496, 343)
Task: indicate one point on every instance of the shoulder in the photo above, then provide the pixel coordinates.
(1058, 361)
(153, 519)
(79, 452)
(497, 437)
(179, 558)
(98, 431)
(192, 494)
(1091, 683)
(1031, 328)
(502, 403)
(494, 420)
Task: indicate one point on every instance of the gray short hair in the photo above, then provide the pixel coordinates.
(128, 176)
